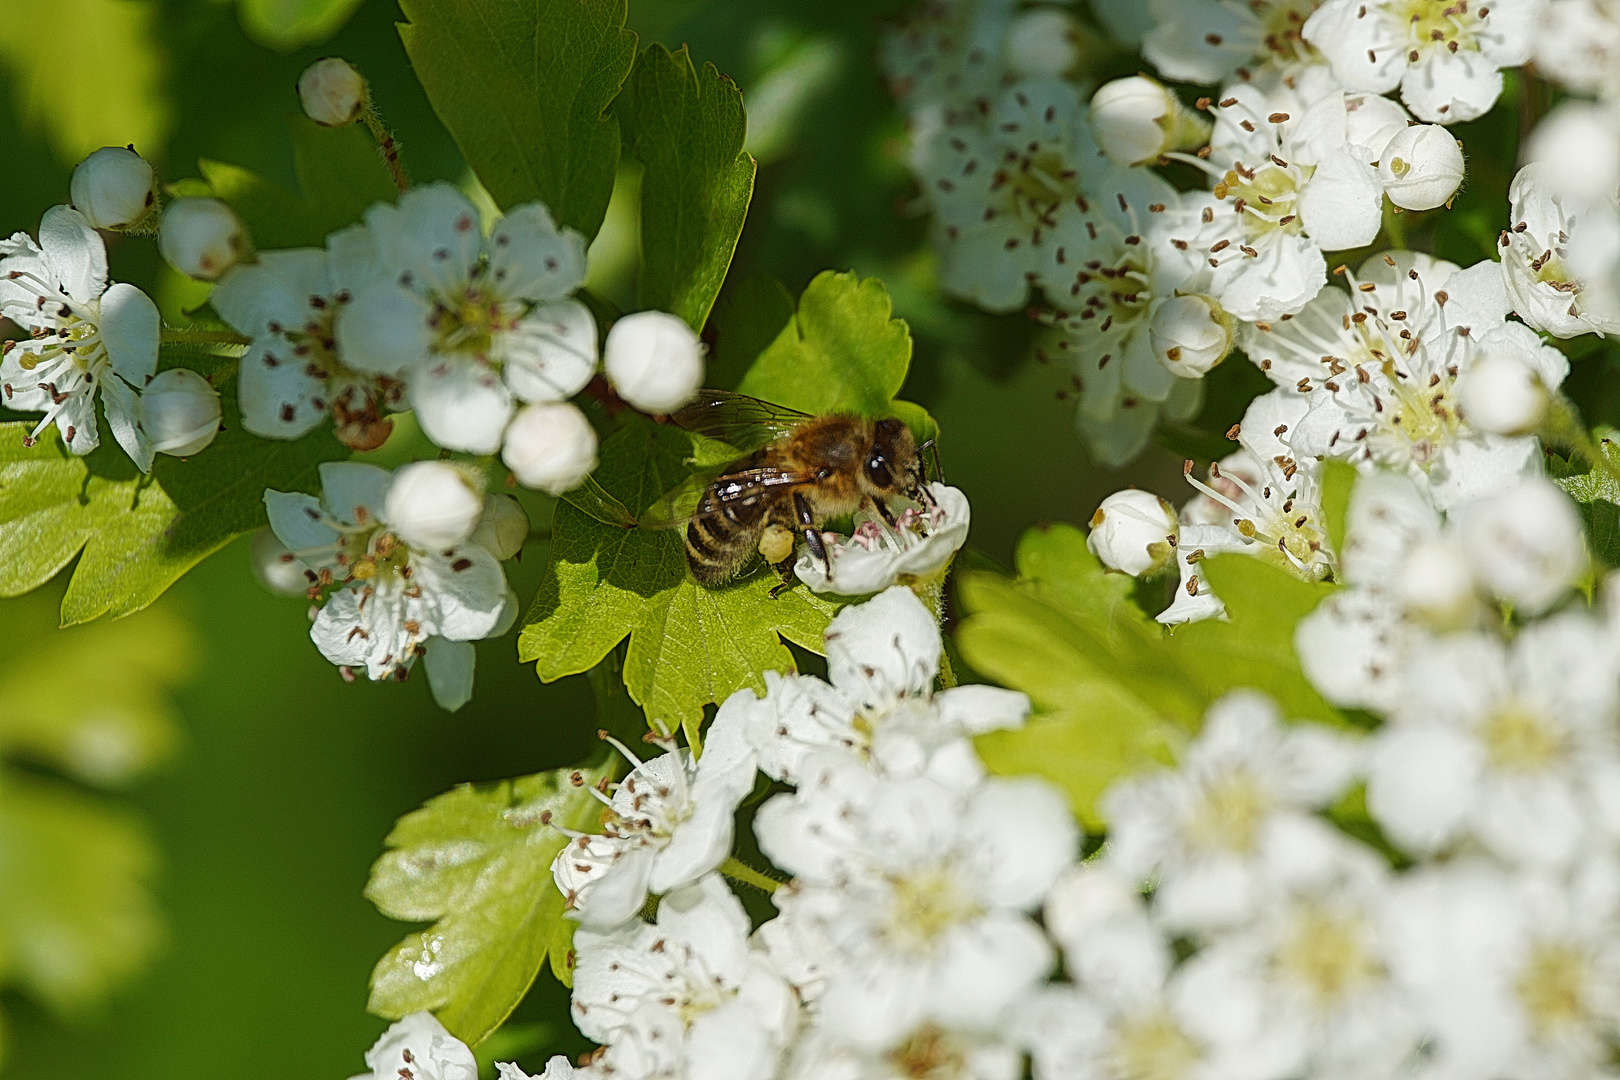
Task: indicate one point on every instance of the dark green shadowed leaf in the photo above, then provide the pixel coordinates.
(523, 87)
(686, 127)
(1597, 493)
(476, 862)
(749, 316)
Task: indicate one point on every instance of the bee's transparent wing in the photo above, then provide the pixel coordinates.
(738, 420)
(713, 490)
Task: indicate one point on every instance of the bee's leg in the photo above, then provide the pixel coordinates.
(884, 511)
(812, 535)
(789, 578)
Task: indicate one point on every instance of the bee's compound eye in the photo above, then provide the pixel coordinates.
(878, 471)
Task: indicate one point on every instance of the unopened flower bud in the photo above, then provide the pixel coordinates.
(278, 569)
(433, 505)
(112, 188)
(1190, 334)
(1501, 395)
(332, 92)
(1133, 532)
(550, 447)
(1136, 119)
(1524, 544)
(654, 361)
(503, 527)
(179, 412)
(201, 237)
(1041, 43)
(1434, 584)
(1371, 121)
(1421, 167)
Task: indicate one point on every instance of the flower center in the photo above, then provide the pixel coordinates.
(1116, 297)
(1281, 24)
(1444, 24)
(930, 1054)
(374, 556)
(1264, 197)
(1518, 738)
(1552, 988)
(1036, 179)
(1326, 952)
(1152, 1047)
(468, 320)
(924, 906)
(1228, 816)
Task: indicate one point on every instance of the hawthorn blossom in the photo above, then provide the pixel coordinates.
(1212, 41)
(918, 546)
(419, 1046)
(291, 378)
(1235, 819)
(946, 53)
(1578, 46)
(386, 599)
(1378, 366)
(664, 826)
(1545, 289)
(84, 337)
(475, 325)
(941, 1053)
(878, 704)
(1445, 55)
(910, 898)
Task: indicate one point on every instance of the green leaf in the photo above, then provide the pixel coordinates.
(843, 351)
(340, 173)
(687, 130)
(111, 93)
(1338, 480)
(137, 534)
(1597, 493)
(476, 861)
(76, 916)
(523, 86)
(689, 645)
(750, 315)
(288, 24)
(1113, 692)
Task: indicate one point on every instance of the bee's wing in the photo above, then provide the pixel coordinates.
(711, 491)
(738, 420)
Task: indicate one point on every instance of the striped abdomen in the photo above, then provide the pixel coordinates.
(720, 544)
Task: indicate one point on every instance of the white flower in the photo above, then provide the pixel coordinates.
(919, 545)
(910, 897)
(1042, 42)
(1234, 819)
(686, 998)
(112, 188)
(945, 53)
(332, 92)
(1545, 290)
(1509, 744)
(1421, 167)
(1580, 143)
(1135, 119)
(480, 325)
(665, 826)
(276, 568)
(654, 360)
(1578, 46)
(1445, 57)
(419, 1047)
(292, 376)
(390, 597)
(1134, 532)
(503, 527)
(433, 504)
(550, 447)
(1209, 41)
(1525, 544)
(879, 704)
(1001, 190)
(940, 1053)
(201, 237)
(179, 412)
(1194, 600)
(1377, 368)
(1191, 333)
(557, 1068)
(84, 336)
(1503, 395)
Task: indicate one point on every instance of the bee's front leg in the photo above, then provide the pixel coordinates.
(812, 534)
(884, 511)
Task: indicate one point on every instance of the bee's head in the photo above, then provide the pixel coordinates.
(891, 461)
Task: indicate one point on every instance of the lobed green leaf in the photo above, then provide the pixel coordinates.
(1597, 493)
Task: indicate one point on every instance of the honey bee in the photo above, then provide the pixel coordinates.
(810, 469)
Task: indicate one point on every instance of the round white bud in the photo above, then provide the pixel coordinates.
(1525, 544)
(1041, 43)
(1190, 334)
(179, 412)
(654, 361)
(1134, 532)
(1434, 584)
(433, 505)
(1371, 120)
(1501, 395)
(550, 447)
(201, 237)
(332, 92)
(112, 188)
(1422, 167)
(1136, 119)
(278, 569)
(503, 527)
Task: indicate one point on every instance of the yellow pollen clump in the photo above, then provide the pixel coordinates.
(1552, 988)
(1152, 1047)
(1517, 737)
(925, 905)
(1229, 815)
(1325, 951)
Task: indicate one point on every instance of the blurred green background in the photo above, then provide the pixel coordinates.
(284, 780)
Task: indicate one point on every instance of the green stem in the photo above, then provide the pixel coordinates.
(389, 148)
(741, 872)
(174, 335)
(947, 673)
(1394, 226)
